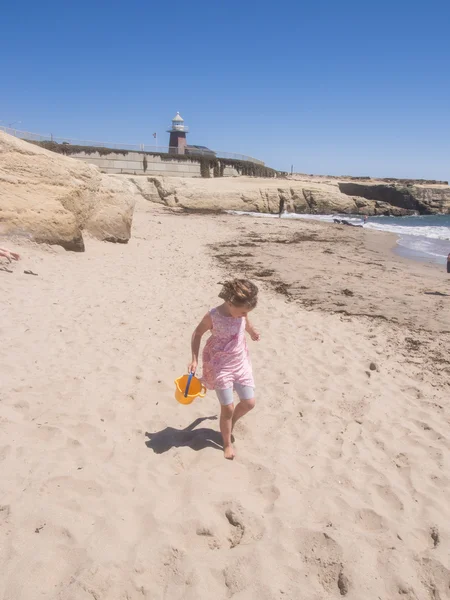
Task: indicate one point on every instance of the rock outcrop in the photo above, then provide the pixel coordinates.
(424, 199)
(112, 214)
(256, 195)
(54, 199)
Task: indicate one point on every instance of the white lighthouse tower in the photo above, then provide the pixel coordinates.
(178, 131)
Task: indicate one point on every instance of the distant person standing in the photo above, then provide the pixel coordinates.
(448, 263)
(281, 207)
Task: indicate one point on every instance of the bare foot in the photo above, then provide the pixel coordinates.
(228, 452)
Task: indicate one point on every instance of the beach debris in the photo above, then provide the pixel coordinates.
(435, 536)
(412, 344)
(435, 294)
(343, 584)
(265, 273)
(38, 529)
(373, 366)
(347, 292)
(28, 272)
(282, 288)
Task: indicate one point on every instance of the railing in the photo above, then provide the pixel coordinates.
(234, 156)
(38, 137)
(175, 128)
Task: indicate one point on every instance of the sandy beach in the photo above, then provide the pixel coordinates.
(111, 490)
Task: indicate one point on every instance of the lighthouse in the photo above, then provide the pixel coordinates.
(177, 141)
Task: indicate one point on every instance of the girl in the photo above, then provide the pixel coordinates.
(226, 362)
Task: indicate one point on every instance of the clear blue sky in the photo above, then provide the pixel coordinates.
(336, 87)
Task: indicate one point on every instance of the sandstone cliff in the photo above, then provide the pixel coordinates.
(54, 198)
(256, 194)
(421, 198)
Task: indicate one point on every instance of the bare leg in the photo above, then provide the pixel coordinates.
(8, 254)
(242, 409)
(226, 415)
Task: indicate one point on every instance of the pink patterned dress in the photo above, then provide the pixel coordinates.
(226, 358)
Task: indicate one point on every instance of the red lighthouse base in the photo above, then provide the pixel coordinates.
(177, 142)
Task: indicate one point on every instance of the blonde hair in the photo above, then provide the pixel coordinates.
(240, 292)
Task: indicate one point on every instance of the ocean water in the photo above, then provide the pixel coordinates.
(424, 237)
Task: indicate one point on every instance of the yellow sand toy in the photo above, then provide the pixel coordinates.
(188, 388)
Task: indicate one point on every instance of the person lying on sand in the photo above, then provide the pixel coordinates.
(345, 222)
(226, 363)
(9, 255)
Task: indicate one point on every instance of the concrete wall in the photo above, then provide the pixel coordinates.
(133, 163)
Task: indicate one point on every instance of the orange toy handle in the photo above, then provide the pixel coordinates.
(203, 394)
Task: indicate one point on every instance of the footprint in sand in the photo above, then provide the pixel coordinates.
(5, 511)
(239, 575)
(369, 520)
(324, 559)
(208, 534)
(270, 493)
(435, 578)
(244, 526)
(237, 527)
(5, 451)
(429, 431)
(262, 478)
(386, 494)
(66, 486)
(402, 460)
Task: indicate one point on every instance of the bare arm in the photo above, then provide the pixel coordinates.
(251, 330)
(204, 326)
(8, 254)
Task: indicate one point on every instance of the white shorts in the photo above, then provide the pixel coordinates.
(245, 392)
